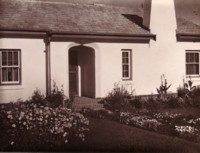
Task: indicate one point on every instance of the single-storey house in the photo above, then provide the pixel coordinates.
(87, 48)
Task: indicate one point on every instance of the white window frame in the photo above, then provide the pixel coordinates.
(192, 51)
(12, 66)
(129, 51)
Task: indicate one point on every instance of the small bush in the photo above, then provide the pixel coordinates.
(149, 103)
(173, 102)
(181, 92)
(56, 98)
(137, 102)
(190, 97)
(38, 98)
(195, 96)
(118, 99)
(153, 103)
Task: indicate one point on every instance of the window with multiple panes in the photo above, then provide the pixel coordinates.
(126, 64)
(192, 62)
(10, 66)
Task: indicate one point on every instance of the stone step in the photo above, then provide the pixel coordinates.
(84, 102)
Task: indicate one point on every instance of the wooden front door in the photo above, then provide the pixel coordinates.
(73, 80)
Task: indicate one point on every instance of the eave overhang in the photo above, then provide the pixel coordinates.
(188, 37)
(76, 36)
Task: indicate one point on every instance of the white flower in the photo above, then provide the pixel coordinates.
(13, 125)
(41, 111)
(12, 143)
(9, 112)
(185, 129)
(64, 135)
(22, 114)
(66, 141)
(46, 108)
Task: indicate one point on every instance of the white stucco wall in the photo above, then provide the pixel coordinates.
(149, 62)
(59, 65)
(33, 69)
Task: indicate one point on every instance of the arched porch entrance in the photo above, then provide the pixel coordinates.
(82, 71)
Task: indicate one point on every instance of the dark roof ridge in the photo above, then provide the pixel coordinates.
(73, 4)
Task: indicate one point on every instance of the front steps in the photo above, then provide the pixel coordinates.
(85, 102)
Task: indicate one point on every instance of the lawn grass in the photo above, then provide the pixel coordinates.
(106, 135)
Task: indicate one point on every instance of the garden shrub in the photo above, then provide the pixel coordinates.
(149, 103)
(38, 98)
(191, 97)
(29, 126)
(153, 103)
(181, 92)
(57, 97)
(196, 97)
(118, 99)
(137, 102)
(173, 102)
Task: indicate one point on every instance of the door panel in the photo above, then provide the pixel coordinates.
(88, 74)
(73, 80)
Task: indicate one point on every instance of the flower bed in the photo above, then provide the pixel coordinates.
(43, 124)
(173, 124)
(139, 121)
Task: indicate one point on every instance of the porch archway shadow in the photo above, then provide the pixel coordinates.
(82, 71)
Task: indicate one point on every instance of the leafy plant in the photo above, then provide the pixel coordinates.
(38, 98)
(181, 92)
(56, 97)
(118, 99)
(137, 102)
(188, 86)
(189, 93)
(162, 90)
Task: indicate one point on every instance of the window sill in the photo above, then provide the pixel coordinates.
(192, 76)
(11, 87)
(10, 84)
(126, 79)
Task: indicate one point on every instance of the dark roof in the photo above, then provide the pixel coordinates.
(187, 27)
(188, 16)
(67, 17)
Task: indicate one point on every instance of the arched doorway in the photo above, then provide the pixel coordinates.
(82, 71)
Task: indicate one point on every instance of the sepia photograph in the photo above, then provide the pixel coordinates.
(100, 76)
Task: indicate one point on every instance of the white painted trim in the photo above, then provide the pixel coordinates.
(192, 75)
(79, 80)
(129, 63)
(12, 66)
